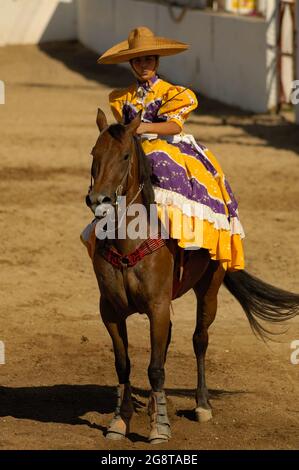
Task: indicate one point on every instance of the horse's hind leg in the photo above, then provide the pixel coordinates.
(168, 339)
(120, 423)
(206, 292)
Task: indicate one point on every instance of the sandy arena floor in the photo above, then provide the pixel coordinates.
(57, 384)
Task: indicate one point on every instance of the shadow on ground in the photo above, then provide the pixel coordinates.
(68, 404)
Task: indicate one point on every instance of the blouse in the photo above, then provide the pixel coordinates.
(158, 100)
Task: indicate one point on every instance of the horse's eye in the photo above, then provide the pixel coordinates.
(126, 156)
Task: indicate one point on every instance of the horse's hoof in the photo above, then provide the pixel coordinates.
(118, 429)
(115, 436)
(203, 415)
(158, 437)
(159, 440)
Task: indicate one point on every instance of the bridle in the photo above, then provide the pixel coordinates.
(119, 192)
(146, 247)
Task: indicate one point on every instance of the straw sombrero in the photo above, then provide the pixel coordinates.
(141, 41)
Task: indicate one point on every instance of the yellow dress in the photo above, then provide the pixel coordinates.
(192, 194)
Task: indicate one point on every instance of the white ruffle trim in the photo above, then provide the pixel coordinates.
(175, 139)
(236, 227)
(196, 209)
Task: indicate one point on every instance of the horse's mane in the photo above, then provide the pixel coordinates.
(145, 175)
(117, 131)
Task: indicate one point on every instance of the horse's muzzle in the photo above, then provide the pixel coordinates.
(96, 198)
(103, 210)
(89, 202)
(100, 204)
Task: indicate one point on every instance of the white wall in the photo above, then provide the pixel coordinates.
(232, 58)
(227, 58)
(33, 21)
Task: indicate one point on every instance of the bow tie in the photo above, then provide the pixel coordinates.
(144, 87)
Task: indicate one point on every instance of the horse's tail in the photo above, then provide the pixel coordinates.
(261, 301)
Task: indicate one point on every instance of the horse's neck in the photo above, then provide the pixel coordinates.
(127, 215)
(129, 224)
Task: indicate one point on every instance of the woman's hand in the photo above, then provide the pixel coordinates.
(143, 128)
(160, 128)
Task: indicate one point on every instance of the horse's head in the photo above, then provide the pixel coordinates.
(112, 155)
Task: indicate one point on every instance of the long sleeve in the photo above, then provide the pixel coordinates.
(177, 104)
(116, 104)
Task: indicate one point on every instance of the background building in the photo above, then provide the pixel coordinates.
(233, 58)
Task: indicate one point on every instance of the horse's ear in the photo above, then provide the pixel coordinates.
(134, 124)
(101, 120)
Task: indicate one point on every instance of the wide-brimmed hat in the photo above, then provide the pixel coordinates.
(141, 42)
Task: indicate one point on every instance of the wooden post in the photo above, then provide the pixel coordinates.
(272, 15)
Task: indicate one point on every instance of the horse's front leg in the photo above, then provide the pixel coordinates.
(160, 328)
(120, 424)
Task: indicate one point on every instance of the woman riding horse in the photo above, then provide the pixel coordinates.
(187, 184)
(190, 192)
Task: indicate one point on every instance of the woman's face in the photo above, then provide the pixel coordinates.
(145, 67)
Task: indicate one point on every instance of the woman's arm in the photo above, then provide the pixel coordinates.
(160, 128)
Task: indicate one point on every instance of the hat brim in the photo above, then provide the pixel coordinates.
(121, 52)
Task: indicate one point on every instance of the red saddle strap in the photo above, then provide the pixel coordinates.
(120, 261)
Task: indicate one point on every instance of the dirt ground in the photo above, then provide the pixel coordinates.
(57, 383)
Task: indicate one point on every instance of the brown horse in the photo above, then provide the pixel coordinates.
(145, 285)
